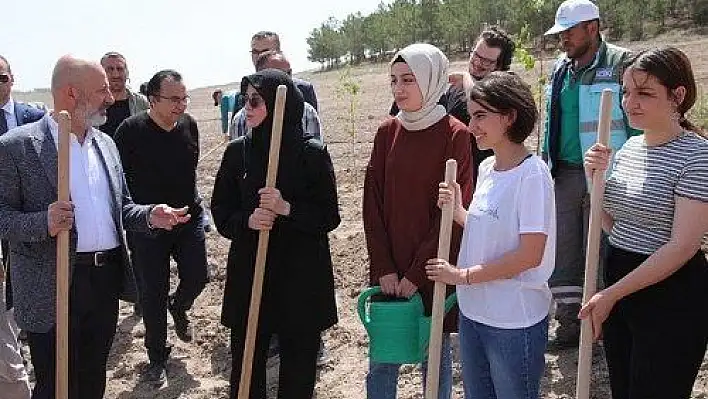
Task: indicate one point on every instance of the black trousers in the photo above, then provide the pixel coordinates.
(298, 364)
(93, 316)
(151, 258)
(138, 276)
(655, 339)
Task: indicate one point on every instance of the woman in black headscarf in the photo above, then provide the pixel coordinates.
(298, 292)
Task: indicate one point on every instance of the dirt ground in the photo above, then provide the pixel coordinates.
(200, 370)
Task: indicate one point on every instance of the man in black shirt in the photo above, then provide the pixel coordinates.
(160, 150)
(127, 102)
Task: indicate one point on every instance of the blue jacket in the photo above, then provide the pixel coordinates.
(25, 114)
(604, 73)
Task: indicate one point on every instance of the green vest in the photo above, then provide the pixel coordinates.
(604, 72)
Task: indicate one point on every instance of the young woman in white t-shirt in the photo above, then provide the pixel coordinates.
(508, 247)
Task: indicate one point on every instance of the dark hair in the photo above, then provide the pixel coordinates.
(214, 96)
(144, 89)
(399, 59)
(672, 69)
(498, 38)
(155, 83)
(6, 63)
(505, 92)
(265, 34)
(263, 59)
(112, 54)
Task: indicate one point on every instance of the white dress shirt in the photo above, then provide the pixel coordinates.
(90, 193)
(9, 114)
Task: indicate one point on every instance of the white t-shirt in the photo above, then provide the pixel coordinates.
(504, 206)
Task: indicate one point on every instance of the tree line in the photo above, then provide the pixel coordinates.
(453, 25)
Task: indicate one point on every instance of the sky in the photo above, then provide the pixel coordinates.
(207, 41)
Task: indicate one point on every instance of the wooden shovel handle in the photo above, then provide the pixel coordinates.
(62, 289)
(592, 257)
(438, 312)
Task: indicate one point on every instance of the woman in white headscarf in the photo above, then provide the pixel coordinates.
(401, 217)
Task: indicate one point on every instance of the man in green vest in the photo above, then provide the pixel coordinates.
(588, 66)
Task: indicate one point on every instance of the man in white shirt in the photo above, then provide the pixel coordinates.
(100, 208)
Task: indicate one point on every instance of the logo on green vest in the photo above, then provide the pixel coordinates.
(604, 73)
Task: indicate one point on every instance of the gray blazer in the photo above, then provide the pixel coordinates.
(28, 184)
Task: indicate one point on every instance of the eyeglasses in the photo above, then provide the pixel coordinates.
(259, 52)
(4, 77)
(253, 101)
(176, 100)
(484, 61)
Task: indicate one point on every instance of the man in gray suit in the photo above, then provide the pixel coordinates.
(100, 208)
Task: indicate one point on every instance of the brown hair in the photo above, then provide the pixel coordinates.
(496, 37)
(672, 69)
(505, 92)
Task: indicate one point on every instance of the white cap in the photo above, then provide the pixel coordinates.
(573, 12)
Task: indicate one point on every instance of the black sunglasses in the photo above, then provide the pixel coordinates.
(4, 77)
(253, 101)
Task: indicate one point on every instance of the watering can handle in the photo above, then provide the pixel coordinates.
(361, 303)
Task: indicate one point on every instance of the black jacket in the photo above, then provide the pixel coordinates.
(298, 290)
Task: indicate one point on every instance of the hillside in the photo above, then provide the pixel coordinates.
(200, 370)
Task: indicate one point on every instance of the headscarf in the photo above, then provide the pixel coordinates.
(430, 67)
(266, 83)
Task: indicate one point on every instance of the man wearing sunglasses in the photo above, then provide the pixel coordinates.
(310, 118)
(14, 381)
(14, 114)
(160, 151)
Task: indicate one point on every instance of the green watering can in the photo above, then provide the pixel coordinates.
(398, 329)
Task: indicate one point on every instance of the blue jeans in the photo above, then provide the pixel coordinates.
(500, 363)
(382, 380)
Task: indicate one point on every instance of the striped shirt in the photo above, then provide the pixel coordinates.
(641, 191)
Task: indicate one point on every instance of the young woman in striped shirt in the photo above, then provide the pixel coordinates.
(654, 312)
